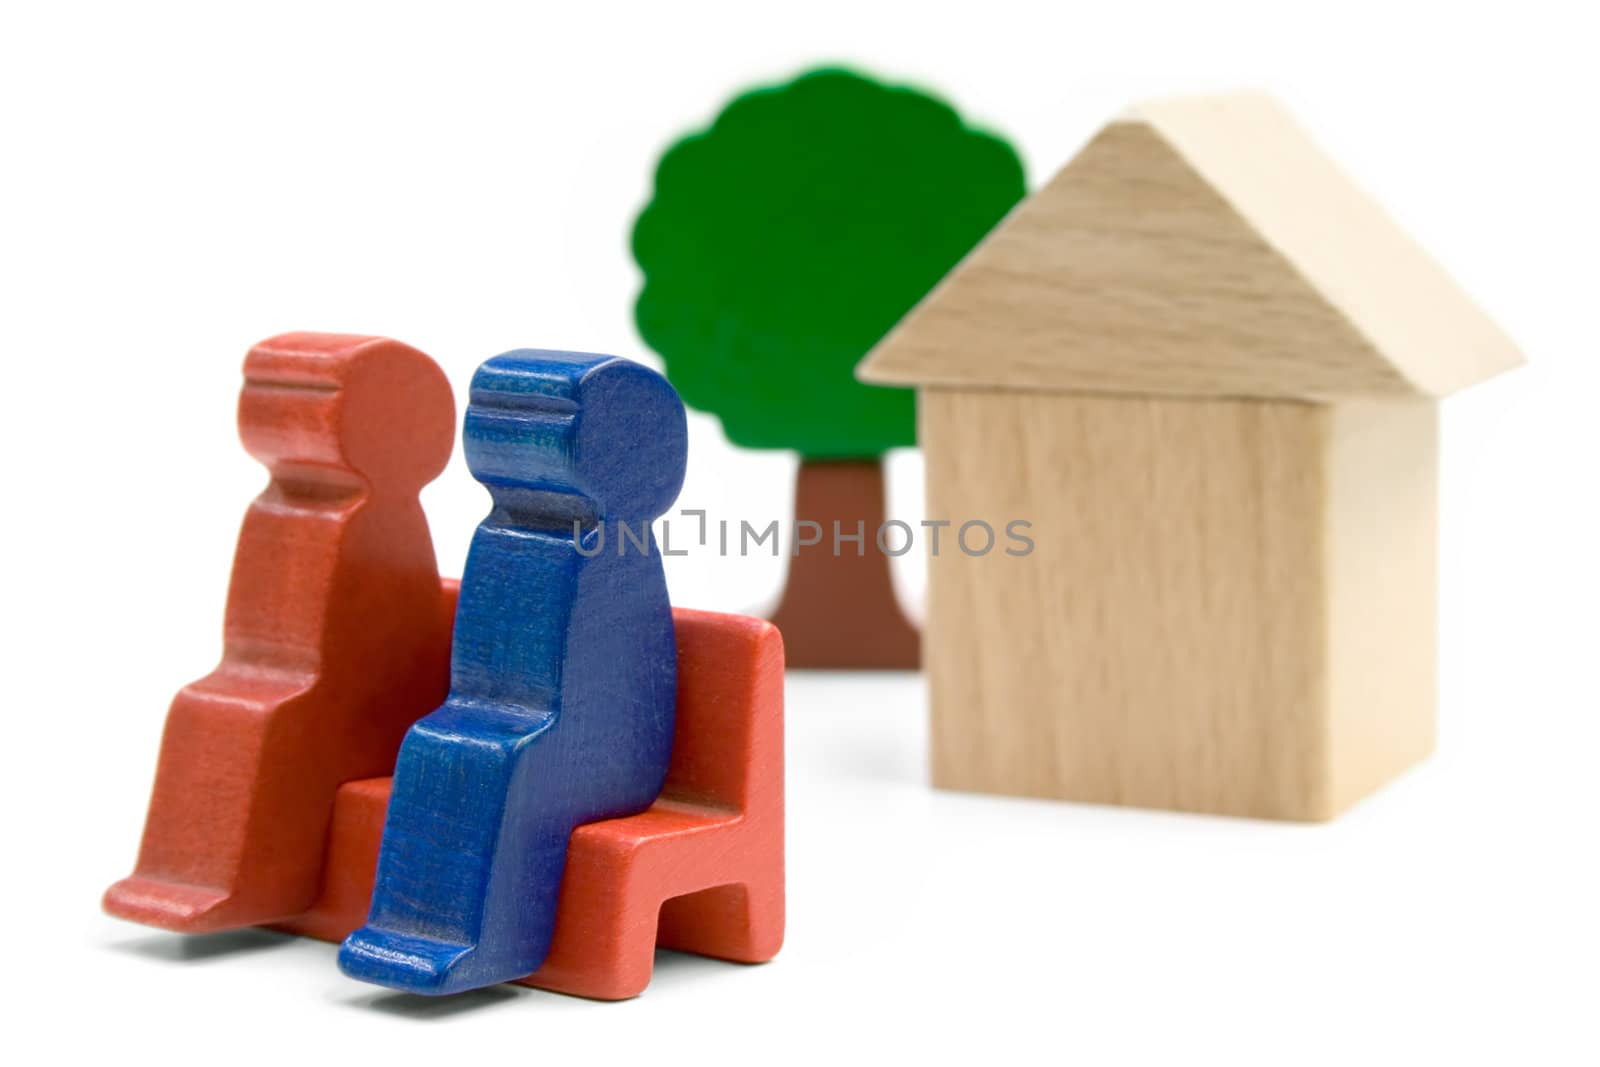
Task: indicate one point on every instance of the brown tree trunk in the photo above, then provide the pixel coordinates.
(839, 609)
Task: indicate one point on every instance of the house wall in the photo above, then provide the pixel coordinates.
(1171, 640)
(1382, 565)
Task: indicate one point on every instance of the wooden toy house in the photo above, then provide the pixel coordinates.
(1205, 368)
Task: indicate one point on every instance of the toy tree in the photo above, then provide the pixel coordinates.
(781, 244)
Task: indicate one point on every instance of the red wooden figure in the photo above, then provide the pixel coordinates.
(337, 636)
(706, 859)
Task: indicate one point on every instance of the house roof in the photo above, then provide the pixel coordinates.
(1198, 246)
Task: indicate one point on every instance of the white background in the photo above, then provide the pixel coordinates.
(179, 181)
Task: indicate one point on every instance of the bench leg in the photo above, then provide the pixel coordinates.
(741, 922)
(605, 940)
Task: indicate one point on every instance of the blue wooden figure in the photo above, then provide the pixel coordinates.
(563, 674)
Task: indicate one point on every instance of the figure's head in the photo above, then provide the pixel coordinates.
(603, 429)
(346, 403)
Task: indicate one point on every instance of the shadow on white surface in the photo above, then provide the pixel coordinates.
(688, 974)
(432, 1009)
(200, 948)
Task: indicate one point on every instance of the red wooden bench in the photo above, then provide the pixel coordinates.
(701, 871)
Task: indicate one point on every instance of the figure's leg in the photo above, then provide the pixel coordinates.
(230, 840)
(472, 856)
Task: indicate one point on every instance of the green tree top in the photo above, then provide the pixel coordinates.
(787, 238)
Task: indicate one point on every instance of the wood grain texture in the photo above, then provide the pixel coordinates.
(562, 673)
(701, 871)
(334, 643)
(1198, 247)
(1212, 619)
